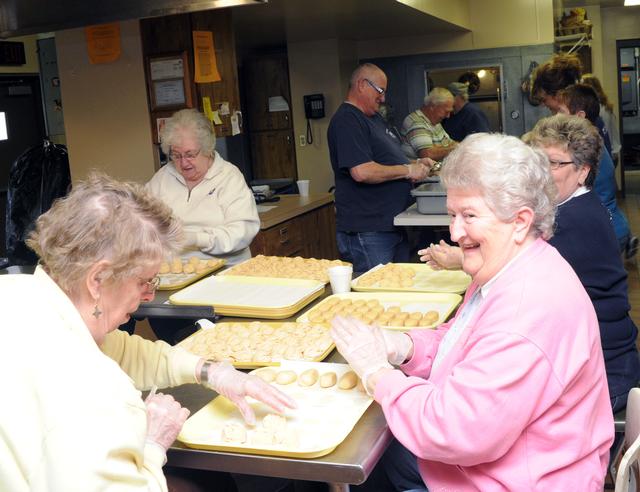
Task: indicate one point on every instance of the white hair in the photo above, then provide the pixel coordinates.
(191, 122)
(508, 174)
(437, 96)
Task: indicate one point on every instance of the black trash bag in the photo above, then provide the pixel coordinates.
(36, 178)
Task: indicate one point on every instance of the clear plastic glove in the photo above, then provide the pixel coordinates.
(165, 418)
(442, 256)
(190, 240)
(399, 346)
(417, 171)
(237, 385)
(362, 346)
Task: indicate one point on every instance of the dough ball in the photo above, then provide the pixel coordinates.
(176, 265)
(328, 379)
(267, 375)
(274, 423)
(348, 380)
(194, 260)
(188, 268)
(308, 377)
(410, 322)
(429, 318)
(286, 377)
(234, 432)
(164, 268)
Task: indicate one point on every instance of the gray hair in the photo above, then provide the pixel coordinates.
(190, 122)
(103, 219)
(362, 72)
(575, 135)
(437, 96)
(508, 175)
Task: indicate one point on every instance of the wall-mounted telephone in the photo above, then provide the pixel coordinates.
(313, 109)
(314, 106)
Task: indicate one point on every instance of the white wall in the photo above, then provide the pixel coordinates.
(105, 107)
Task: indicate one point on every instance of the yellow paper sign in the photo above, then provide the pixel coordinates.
(204, 55)
(103, 43)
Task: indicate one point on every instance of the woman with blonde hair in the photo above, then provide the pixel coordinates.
(74, 418)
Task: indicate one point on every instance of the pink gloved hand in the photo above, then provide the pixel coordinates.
(237, 385)
(165, 418)
(442, 256)
(361, 345)
(417, 171)
(399, 346)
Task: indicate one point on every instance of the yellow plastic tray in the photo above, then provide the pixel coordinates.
(410, 302)
(426, 280)
(252, 297)
(197, 343)
(173, 281)
(323, 419)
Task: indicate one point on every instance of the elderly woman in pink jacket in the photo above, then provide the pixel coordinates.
(511, 394)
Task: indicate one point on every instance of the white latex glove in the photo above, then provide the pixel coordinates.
(165, 418)
(417, 171)
(442, 256)
(399, 346)
(362, 346)
(237, 385)
(190, 240)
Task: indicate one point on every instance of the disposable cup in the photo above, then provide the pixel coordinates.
(303, 187)
(340, 278)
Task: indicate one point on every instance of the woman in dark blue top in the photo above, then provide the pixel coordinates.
(584, 236)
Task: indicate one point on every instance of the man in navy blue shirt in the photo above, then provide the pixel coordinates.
(467, 118)
(372, 175)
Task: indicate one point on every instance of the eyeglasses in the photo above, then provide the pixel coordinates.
(151, 285)
(187, 156)
(558, 164)
(376, 88)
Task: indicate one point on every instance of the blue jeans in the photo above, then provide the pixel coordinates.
(368, 249)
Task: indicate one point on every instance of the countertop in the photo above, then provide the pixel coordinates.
(290, 206)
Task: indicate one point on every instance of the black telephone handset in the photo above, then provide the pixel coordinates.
(313, 109)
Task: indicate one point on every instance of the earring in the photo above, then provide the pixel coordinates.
(96, 311)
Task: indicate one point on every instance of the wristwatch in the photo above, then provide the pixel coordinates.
(204, 371)
(436, 167)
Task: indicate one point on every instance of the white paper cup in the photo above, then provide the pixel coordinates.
(303, 187)
(340, 278)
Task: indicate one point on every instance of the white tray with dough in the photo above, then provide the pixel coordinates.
(324, 418)
(411, 277)
(253, 297)
(391, 310)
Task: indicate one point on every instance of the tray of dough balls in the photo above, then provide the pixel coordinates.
(391, 310)
(252, 297)
(330, 402)
(411, 277)
(285, 267)
(180, 272)
(258, 343)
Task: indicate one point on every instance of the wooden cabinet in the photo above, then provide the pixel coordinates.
(311, 234)
(270, 132)
(172, 35)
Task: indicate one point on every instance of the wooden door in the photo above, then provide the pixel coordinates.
(273, 154)
(267, 77)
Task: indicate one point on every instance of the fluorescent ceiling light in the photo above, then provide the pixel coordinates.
(631, 3)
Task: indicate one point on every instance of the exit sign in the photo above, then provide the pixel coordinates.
(12, 53)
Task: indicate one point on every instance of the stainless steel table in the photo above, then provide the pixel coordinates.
(350, 463)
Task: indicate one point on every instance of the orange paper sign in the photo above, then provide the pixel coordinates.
(204, 55)
(103, 42)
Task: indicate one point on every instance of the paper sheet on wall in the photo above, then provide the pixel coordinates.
(204, 55)
(103, 43)
(224, 108)
(206, 108)
(235, 123)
